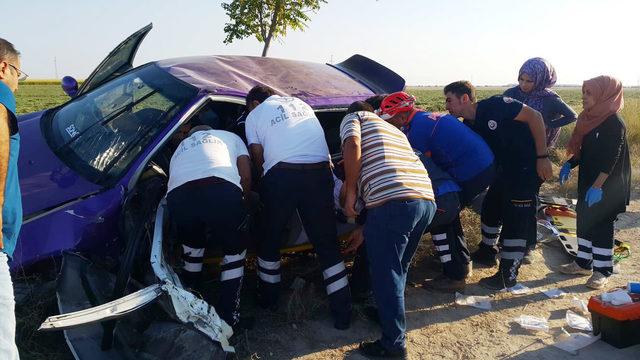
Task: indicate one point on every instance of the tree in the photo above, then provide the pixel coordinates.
(266, 19)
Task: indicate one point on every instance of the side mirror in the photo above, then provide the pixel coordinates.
(69, 86)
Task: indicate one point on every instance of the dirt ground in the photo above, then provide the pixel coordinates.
(437, 327)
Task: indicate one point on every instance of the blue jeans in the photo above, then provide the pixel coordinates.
(8, 349)
(392, 233)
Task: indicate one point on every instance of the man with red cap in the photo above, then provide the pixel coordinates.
(447, 146)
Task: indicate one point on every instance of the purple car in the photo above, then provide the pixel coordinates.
(93, 173)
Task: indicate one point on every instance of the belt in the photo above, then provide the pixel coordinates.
(312, 166)
(205, 181)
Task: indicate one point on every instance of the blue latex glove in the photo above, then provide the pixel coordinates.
(593, 196)
(564, 173)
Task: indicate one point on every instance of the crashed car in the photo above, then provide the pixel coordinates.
(93, 173)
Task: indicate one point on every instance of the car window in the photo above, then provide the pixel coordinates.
(100, 133)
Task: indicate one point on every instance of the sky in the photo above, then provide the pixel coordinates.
(428, 42)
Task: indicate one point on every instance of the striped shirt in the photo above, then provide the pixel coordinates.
(390, 170)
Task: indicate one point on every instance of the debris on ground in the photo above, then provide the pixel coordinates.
(553, 293)
(579, 305)
(578, 322)
(571, 343)
(518, 289)
(480, 302)
(533, 323)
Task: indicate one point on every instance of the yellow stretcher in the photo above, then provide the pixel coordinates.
(560, 214)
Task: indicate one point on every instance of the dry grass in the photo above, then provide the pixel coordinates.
(39, 302)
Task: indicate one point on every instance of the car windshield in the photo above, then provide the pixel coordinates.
(100, 133)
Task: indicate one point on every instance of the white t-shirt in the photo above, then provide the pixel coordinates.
(204, 154)
(288, 130)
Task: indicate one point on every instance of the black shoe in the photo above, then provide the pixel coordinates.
(375, 349)
(497, 282)
(267, 304)
(443, 283)
(244, 323)
(371, 313)
(342, 324)
(484, 258)
(361, 297)
(342, 319)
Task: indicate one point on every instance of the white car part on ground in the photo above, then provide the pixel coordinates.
(107, 311)
(188, 308)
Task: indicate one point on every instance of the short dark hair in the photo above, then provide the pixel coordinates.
(459, 88)
(376, 100)
(359, 106)
(7, 50)
(259, 93)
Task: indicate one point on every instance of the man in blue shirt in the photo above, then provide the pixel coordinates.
(451, 145)
(10, 200)
(516, 135)
(463, 165)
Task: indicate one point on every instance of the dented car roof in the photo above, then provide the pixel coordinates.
(320, 85)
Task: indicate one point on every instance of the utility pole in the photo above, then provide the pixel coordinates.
(55, 66)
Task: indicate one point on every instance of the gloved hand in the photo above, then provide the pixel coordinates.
(564, 173)
(594, 195)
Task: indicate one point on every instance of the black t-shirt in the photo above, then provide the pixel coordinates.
(509, 139)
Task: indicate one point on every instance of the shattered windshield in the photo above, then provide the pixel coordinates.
(99, 134)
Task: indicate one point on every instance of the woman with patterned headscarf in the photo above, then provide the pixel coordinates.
(599, 146)
(535, 78)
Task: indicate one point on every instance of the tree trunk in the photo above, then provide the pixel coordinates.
(277, 9)
(267, 42)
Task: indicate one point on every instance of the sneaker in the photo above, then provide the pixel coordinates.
(444, 283)
(497, 282)
(597, 281)
(484, 258)
(374, 349)
(574, 269)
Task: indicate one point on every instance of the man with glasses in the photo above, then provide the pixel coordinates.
(10, 200)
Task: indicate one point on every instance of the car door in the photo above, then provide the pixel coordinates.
(119, 61)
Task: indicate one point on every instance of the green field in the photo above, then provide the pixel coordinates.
(36, 97)
(43, 95)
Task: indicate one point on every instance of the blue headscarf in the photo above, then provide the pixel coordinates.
(543, 75)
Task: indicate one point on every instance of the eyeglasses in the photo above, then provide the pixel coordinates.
(22, 76)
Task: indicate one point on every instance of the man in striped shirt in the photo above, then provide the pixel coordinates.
(382, 169)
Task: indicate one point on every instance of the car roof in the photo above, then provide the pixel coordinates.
(319, 85)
